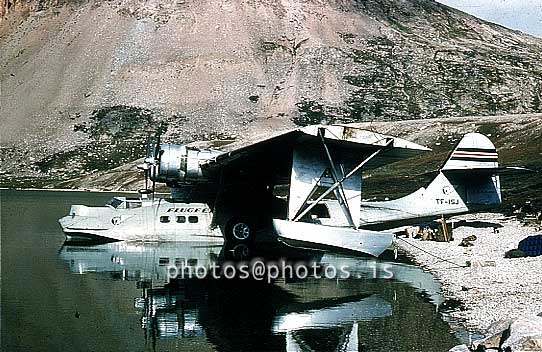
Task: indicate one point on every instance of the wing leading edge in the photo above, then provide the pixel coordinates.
(271, 157)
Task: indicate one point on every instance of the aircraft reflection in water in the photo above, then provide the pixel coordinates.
(283, 313)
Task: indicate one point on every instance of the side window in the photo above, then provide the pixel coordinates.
(163, 261)
(192, 219)
(192, 262)
(181, 219)
(164, 219)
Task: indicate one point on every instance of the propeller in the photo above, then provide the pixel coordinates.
(152, 158)
(147, 170)
(156, 156)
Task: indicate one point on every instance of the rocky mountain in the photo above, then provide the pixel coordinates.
(83, 83)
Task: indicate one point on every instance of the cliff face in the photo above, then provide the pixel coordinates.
(82, 83)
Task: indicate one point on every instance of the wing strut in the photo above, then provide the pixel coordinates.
(339, 193)
(314, 189)
(339, 182)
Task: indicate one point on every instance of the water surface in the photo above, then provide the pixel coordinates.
(116, 296)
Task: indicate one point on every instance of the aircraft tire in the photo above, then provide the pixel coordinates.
(239, 231)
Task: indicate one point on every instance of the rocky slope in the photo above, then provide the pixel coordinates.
(82, 83)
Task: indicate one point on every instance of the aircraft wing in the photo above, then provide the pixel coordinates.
(270, 158)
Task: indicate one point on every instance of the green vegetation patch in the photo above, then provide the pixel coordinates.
(117, 136)
(312, 112)
(122, 121)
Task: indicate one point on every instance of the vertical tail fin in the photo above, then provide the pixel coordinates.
(474, 151)
(472, 169)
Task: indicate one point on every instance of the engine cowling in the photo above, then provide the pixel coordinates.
(178, 164)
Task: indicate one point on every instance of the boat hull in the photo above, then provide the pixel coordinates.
(159, 221)
(130, 232)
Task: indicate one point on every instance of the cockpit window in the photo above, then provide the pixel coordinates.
(115, 202)
(133, 205)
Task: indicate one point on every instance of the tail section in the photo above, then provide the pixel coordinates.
(468, 181)
(472, 169)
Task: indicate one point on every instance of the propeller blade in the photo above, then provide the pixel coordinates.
(147, 171)
(148, 146)
(157, 157)
(157, 148)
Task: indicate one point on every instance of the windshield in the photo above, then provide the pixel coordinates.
(132, 205)
(115, 202)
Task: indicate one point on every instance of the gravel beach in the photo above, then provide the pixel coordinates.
(492, 287)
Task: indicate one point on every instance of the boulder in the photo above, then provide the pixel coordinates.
(460, 348)
(493, 341)
(525, 335)
(498, 327)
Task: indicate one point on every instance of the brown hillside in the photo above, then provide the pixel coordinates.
(84, 82)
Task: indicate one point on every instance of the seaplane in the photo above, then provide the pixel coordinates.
(233, 194)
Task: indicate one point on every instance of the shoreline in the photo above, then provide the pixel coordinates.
(492, 288)
(81, 190)
(64, 190)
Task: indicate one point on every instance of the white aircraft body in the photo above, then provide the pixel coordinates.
(228, 194)
(142, 220)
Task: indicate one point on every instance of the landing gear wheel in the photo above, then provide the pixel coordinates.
(239, 231)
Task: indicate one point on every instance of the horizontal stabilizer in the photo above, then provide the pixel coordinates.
(506, 171)
(510, 170)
